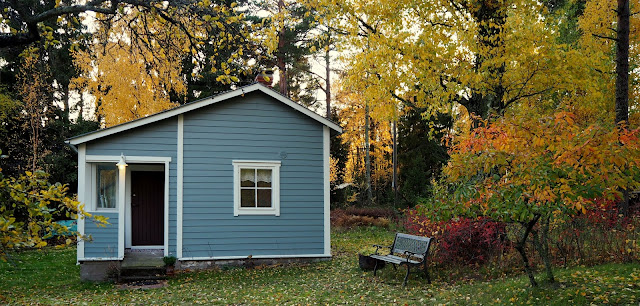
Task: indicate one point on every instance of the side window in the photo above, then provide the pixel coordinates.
(256, 188)
(106, 186)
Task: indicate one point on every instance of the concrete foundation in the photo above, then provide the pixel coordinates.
(99, 271)
(245, 262)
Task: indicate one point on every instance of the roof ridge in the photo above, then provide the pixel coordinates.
(155, 117)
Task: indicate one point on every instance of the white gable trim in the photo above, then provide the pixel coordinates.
(202, 103)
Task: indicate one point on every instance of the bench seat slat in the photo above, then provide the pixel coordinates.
(394, 259)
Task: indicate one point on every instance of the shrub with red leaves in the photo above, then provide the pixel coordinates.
(464, 241)
(599, 235)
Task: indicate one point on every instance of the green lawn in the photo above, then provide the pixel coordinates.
(52, 277)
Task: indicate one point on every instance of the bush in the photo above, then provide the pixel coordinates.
(600, 235)
(352, 217)
(461, 241)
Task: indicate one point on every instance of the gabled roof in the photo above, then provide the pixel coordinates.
(198, 104)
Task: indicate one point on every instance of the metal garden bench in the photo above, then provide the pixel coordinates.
(408, 250)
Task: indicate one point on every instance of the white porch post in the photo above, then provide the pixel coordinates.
(122, 175)
(82, 197)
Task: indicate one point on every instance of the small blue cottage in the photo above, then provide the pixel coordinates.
(237, 175)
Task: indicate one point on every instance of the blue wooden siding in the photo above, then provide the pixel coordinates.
(104, 243)
(156, 139)
(253, 127)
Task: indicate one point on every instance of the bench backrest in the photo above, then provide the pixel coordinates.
(414, 244)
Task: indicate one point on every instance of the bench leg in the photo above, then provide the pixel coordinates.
(426, 272)
(375, 268)
(406, 277)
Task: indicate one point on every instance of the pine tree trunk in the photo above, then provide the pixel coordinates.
(622, 62)
(367, 156)
(282, 65)
(327, 85)
(394, 161)
(65, 104)
(622, 81)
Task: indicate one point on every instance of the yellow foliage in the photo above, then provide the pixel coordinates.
(437, 54)
(32, 194)
(598, 23)
(353, 116)
(132, 79)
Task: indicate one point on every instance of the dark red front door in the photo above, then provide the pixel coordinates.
(147, 208)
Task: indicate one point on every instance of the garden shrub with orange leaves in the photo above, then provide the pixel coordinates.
(532, 171)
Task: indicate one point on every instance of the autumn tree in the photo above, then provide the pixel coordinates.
(25, 18)
(130, 76)
(150, 75)
(27, 207)
(611, 37)
(33, 89)
(439, 55)
(369, 146)
(531, 167)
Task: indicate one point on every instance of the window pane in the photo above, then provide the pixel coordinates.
(247, 178)
(264, 197)
(106, 186)
(247, 198)
(264, 178)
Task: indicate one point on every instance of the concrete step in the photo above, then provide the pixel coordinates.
(142, 271)
(129, 279)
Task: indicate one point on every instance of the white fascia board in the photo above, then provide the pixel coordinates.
(198, 104)
(129, 159)
(300, 108)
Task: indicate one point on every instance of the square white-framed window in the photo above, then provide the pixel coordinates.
(104, 177)
(256, 188)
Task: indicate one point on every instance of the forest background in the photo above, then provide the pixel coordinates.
(521, 112)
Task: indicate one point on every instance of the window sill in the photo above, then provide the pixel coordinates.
(104, 210)
(256, 212)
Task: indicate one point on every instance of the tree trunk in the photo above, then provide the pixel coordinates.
(394, 161)
(327, 80)
(541, 241)
(65, 104)
(367, 156)
(282, 65)
(622, 63)
(622, 81)
(520, 247)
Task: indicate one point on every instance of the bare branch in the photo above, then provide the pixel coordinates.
(93, 6)
(604, 37)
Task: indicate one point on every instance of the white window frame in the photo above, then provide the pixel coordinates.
(93, 169)
(274, 166)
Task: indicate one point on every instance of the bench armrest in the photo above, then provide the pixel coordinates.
(378, 247)
(410, 254)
